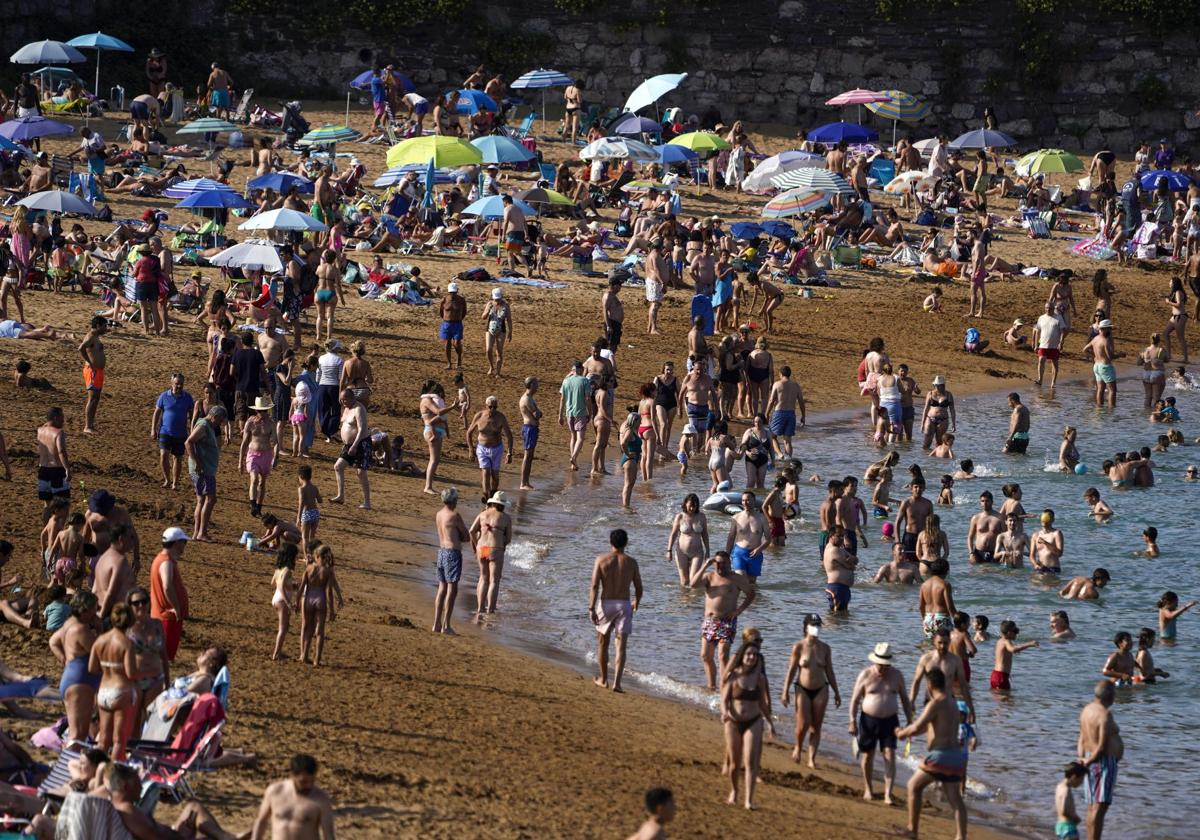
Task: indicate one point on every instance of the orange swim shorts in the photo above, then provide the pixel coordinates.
(93, 378)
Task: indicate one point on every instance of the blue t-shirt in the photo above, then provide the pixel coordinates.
(176, 413)
(378, 89)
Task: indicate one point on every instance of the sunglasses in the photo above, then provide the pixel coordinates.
(139, 603)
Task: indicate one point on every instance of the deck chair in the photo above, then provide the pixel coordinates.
(548, 173)
(172, 777)
(221, 686)
(520, 132)
(61, 168)
(242, 114)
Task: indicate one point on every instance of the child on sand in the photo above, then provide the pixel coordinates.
(981, 629)
(1013, 337)
(1067, 825)
(660, 805)
(933, 303)
(1145, 661)
(1168, 611)
(463, 398)
(308, 511)
(283, 600)
(946, 496)
(1006, 646)
(317, 589)
(298, 416)
(1150, 538)
(1100, 511)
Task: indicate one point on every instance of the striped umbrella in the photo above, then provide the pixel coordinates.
(330, 135)
(899, 107)
(185, 188)
(618, 148)
(794, 203)
(443, 150)
(701, 141)
(207, 125)
(820, 180)
(759, 180)
(541, 79)
(907, 182)
(1045, 161)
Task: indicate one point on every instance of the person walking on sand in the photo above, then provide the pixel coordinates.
(452, 532)
(498, 317)
(54, 465)
(609, 605)
(316, 591)
(745, 705)
(945, 762)
(92, 350)
(257, 454)
(308, 508)
(810, 670)
(295, 808)
(721, 610)
(875, 717)
(493, 444)
(284, 595)
(491, 534)
(204, 454)
(356, 449)
(169, 426)
(531, 426)
(1100, 749)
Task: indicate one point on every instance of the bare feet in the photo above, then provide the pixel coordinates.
(89, 431)
(448, 631)
(525, 487)
(867, 795)
(337, 500)
(600, 682)
(618, 690)
(364, 506)
(166, 483)
(812, 765)
(795, 752)
(732, 799)
(430, 491)
(887, 799)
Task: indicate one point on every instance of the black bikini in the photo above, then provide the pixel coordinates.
(811, 692)
(745, 694)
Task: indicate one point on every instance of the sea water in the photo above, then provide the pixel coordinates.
(1025, 737)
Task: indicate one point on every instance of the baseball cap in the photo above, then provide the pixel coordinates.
(1106, 324)
(497, 294)
(174, 534)
(453, 287)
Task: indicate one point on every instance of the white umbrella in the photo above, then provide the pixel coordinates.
(253, 253)
(759, 181)
(47, 52)
(619, 148)
(925, 147)
(907, 182)
(58, 201)
(649, 91)
(282, 219)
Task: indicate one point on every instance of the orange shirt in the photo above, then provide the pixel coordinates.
(159, 605)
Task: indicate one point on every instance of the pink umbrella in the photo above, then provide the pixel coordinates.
(859, 97)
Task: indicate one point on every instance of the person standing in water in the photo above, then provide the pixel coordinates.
(531, 423)
(1018, 427)
(786, 398)
(1101, 351)
(491, 534)
(810, 670)
(749, 535)
(452, 533)
(1100, 750)
(687, 545)
(721, 610)
(609, 605)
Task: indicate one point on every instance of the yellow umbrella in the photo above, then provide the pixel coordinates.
(443, 151)
(701, 141)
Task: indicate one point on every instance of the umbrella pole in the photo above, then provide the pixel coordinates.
(347, 107)
(543, 113)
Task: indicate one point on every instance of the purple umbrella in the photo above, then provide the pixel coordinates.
(31, 128)
(634, 125)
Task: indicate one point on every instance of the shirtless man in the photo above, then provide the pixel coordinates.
(908, 388)
(660, 805)
(92, 350)
(983, 532)
(1086, 588)
(875, 717)
(936, 599)
(835, 159)
(115, 575)
(721, 611)
(452, 531)
(749, 534)
(295, 808)
(489, 451)
(839, 565)
(609, 606)
(54, 465)
(513, 228)
(697, 391)
(1018, 427)
(785, 398)
(1100, 749)
(613, 312)
(847, 509)
(1046, 547)
(218, 85)
(698, 348)
(952, 667)
(257, 453)
(704, 271)
(945, 762)
(1101, 351)
(898, 569)
(531, 423)
(491, 533)
(453, 310)
(356, 449)
(1013, 544)
(912, 514)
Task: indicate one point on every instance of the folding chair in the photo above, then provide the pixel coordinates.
(549, 173)
(521, 131)
(242, 114)
(172, 777)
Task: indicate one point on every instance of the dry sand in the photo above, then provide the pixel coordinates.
(428, 736)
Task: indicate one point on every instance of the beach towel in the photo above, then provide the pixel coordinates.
(702, 308)
(30, 688)
(86, 817)
(1096, 248)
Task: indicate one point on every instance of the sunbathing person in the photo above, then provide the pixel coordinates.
(890, 234)
(20, 329)
(150, 184)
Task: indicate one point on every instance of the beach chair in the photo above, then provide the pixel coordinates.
(242, 114)
(61, 168)
(520, 132)
(221, 686)
(170, 777)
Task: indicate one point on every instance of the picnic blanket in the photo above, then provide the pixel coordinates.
(481, 275)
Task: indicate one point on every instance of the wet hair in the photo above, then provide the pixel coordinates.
(936, 678)
(834, 485)
(982, 621)
(1091, 493)
(1007, 626)
(1122, 637)
(618, 539)
(987, 494)
(967, 466)
(1061, 615)
(657, 798)
(1168, 598)
(286, 556)
(1101, 574)
(1073, 770)
(1146, 637)
(961, 621)
(938, 568)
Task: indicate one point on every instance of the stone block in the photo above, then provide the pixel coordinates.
(792, 10)
(1108, 119)
(962, 111)
(816, 84)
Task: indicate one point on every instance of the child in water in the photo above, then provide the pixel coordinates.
(1168, 611)
(1145, 661)
(1150, 538)
(981, 629)
(1100, 511)
(944, 449)
(881, 498)
(968, 738)
(946, 496)
(1067, 825)
(687, 445)
(1006, 648)
(966, 470)
(1121, 665)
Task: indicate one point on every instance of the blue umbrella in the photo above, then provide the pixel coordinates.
(746, 230)
(280, 182)
(497, 149)
(430, 183)
(471, 102)
(669, 153)
(1176, 181)
(99, 42)
(51, 77)
(31, 128)
(193, 185)
(492, 208)
(983, 138)
(47, 52)
(839, 131)
(7, 145)
(632, 124)
(363, 81)
(781, 230)
(542, 78)
(212, 199)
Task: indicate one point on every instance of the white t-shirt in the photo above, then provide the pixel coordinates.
(1050, 329)
(330, 369)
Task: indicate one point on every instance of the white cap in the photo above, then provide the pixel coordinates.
(453, 287)
(689, 429)
(939, 380)
(303, 393)
(174, 534)
(497, 294)
(1105, 324)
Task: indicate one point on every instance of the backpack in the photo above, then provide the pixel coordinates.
(477, 275)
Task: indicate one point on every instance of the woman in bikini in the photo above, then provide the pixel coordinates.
(810, 670)
(772, 299)
(729, 375)
(631, 454)
(688, 544)
(602, 423)
(357, 374)
(666, 404)
(328, 293)
(149, 651)
(283, 599)
(71, 645)
(646, 429)
(1154, 373)
(315, 600)
(1178, 320)
(756, 448)
(491, 533)
(938, 415)
(760, 372)
(1013, 493)
(433, 415)
(745, 705)
(117, 698)
(932, 543)
(216, 311)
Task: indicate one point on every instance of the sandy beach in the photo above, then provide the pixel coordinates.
(428, 736)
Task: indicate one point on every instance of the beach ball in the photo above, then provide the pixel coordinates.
(1081, 469)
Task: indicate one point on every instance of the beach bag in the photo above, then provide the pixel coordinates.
(926, 218)
(476, 275)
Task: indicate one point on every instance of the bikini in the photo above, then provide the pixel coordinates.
(757, 374)
(109, 698)
(142, 647)
(745, 695)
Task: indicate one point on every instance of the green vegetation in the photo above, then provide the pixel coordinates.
(324, 19)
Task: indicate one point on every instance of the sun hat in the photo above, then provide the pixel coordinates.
(303, 393)
(174, 534)
(939, 380)
(1018, 323)
(262, 403)
(882, 655)
(452, 288)
(497, 293)
(1106, 324)
(498, 498)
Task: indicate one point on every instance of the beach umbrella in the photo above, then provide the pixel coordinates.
(255, 254)
(634, 125)
(442, 150)
(899, 107)
(859, 97)
(794, 203)
(746, 230)
(542, 195)
(668, 154)
(759, 180)
(395, 175)
(214, 199)
(47, 52)
(492, 207)
(471, 102)
(1043, 161)
(185, 188)
(329, 135)
(781, 230)
(925, 147)
(363, 81)
(1176, 181)
(282, 219)
(7, 145)
(58, 201)
(821, 180)
(644, 186)
(280, 182)
(99, 42)
(908, 182)
(701, 141)
(541, 79)
(651, 90)
(618, 148)
(52, 77)
(983, 138)
(497, 149)
(839, 131)
(430, 182)
(31, 128)
(207, 125)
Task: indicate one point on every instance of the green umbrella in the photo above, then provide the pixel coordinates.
(701, 141)
(443, 151)
(1046, 161)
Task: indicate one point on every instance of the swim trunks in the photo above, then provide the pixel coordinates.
(93, 378)
(838, 595)
(777, 529)
(1100, 781)
(909, 542)
(783, 423)
(822, 541)
(1050, 353)
(933, 622)
(449, 565)
(204, 485)
(945, 764)
(577, 424)
(612, 331)
(51, 482)
(219, 99)
(490, 457)
(874, 731)
(718, 629)
(851, 539)
(1017, 444)
(1000, 681)
(615, 616)
(359, 457)
(698, 415)
(529, 436)
(978, 556)
(741, 560)
(1066, 830)
(1104, 372)
(879, 512)
(451, 331)
(171, 444)
(259, 462)
(312, 515)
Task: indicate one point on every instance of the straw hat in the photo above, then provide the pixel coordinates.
(882, 655)
(939, 380)
(262, 403)
(498, 498)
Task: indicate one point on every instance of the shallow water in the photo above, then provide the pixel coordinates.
(1026, 737)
